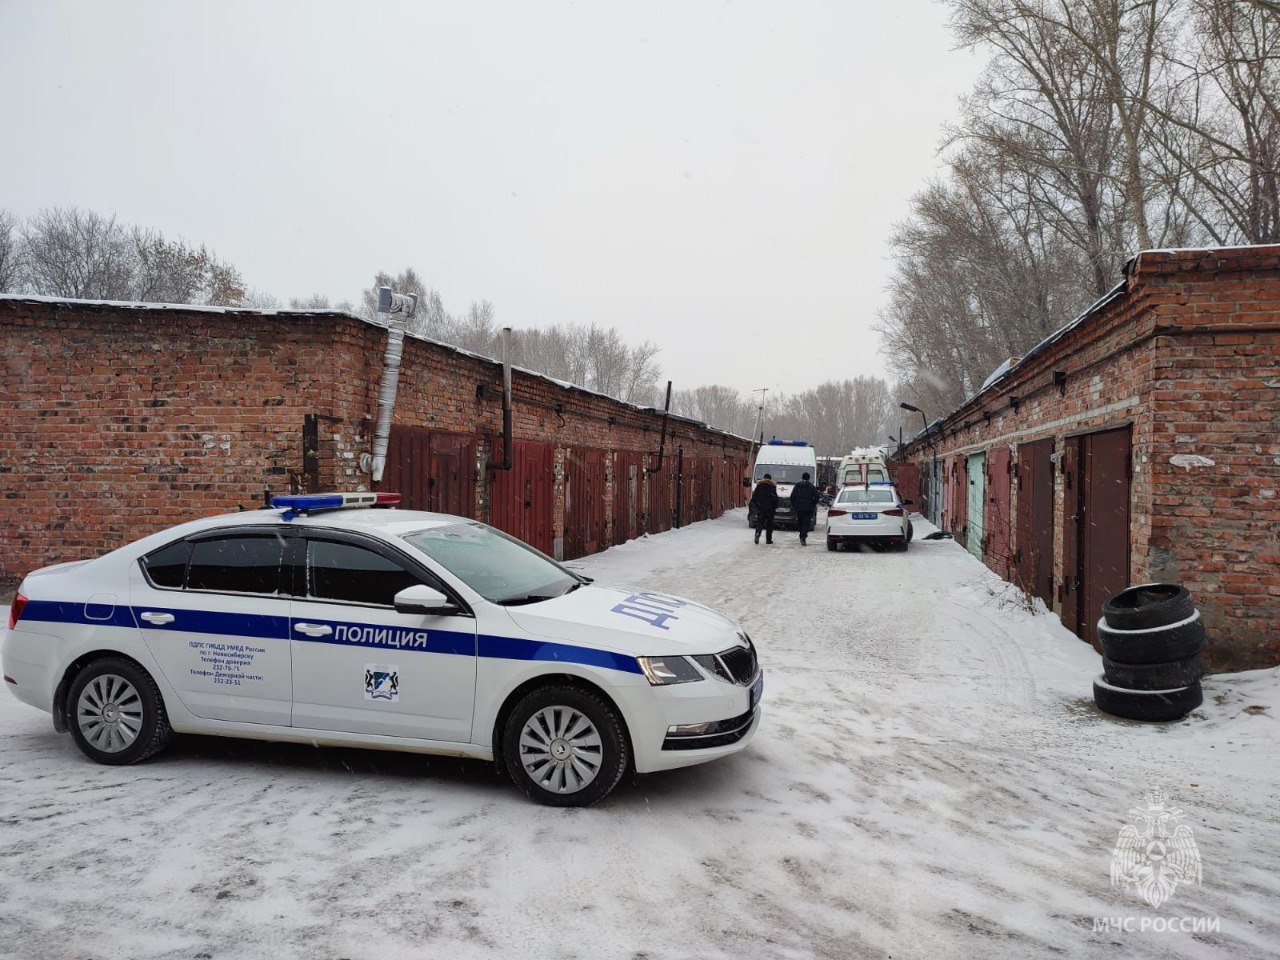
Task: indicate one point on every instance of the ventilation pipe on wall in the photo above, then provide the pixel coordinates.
(662, 441)
(397, 310)
(505, 462)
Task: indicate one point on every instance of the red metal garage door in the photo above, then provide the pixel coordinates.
(431, 470)
(521, 500)
(660, 486)
(1103, 567)
(958, 484)
(999, 533)
(1034, 555)
(628, 486)
(585, 504)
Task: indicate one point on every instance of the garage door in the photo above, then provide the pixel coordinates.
(976, 505)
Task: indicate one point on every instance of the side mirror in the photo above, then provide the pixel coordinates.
(746, 481)
(425, 600)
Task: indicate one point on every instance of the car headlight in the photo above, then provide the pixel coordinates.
(666, 670)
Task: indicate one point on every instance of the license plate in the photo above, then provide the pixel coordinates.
(864, 516)
(757, 689)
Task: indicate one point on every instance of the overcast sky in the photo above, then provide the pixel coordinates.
(719, 178)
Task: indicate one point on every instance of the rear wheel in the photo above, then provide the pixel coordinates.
(565, 746)
(116, 713)
(832, 545)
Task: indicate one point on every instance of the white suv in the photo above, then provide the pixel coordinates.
(379, 628)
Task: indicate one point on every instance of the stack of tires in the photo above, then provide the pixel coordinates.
(1151, 638)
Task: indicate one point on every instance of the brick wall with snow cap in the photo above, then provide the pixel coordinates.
(1184, 354)
(117, 420)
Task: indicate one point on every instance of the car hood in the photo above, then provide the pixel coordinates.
(629, 620)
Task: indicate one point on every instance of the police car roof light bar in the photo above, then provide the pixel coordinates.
(296, 504)
(775, 442)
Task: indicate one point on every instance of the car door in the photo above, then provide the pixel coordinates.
(361, 667)
(211, 611)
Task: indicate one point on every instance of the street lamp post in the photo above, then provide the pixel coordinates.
(934, 484)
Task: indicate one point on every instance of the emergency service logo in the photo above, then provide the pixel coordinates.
(381, 682)
(1156, 853)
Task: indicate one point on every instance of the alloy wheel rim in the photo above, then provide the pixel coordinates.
(561, 749)
(109, 713)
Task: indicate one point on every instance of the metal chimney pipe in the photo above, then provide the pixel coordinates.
(397, 310)
(662, 442)
(507, 442)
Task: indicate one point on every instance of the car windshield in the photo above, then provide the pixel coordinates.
(783, 473)
(498, 567)
(869, 495)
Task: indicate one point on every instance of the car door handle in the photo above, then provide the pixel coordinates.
(313, 629)
(152, 616)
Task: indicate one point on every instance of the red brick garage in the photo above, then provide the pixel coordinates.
(1139, 443)
(120, 419)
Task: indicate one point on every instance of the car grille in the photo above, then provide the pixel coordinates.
(726, 732)
(740, 662)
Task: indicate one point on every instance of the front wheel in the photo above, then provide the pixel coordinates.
(565, 746)
(116, 713)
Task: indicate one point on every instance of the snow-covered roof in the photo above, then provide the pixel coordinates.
(253, 311)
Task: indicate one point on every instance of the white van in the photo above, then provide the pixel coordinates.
(786, 461)
(863, 465)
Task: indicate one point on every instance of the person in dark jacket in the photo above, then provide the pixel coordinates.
(764, 501)
(804, 500)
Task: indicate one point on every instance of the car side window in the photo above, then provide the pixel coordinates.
(352, 574)
(239, 564)
(167, 567)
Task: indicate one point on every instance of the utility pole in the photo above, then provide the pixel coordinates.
(758, 429)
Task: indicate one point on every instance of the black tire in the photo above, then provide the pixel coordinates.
(1149, 605)
(1158, 645)
(615, 754)
(1153, 676)
(154, 731)
(832, 545)
(911, 531)
(1148, 705)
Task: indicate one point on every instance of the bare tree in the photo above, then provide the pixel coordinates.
(77, 253)
(11, 266)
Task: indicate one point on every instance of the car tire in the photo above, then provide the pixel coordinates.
(911, 531)
(1147, 705)
(1149, 605)
(1177, 641)
(1153, 676)
(832, 545)
(116, 714)
(533, 741)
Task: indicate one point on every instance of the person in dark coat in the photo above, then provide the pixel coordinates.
(804, 500)
(764, 501)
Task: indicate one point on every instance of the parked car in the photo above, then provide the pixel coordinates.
(392, 629)
(871, 512)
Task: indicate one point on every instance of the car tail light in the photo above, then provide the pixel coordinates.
(15, 611)
(896, 512)
(836, 513)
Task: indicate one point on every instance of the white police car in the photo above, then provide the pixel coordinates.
(390, 629)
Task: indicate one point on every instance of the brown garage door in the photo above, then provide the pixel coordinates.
(999, 533)
(1033, 558)
(584, 502)
(431, 470)
(628, 486)
(521, 499)
(1097, 478)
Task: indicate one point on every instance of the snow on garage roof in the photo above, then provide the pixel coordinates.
(255, 312)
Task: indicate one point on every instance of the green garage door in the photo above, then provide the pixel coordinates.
(977, 497)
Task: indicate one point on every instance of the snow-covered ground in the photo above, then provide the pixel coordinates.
(930, 779)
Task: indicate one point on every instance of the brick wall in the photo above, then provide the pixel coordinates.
(116, 421)
(1186, 354)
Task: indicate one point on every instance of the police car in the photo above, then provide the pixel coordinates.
(869, 512)
(321, 623)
